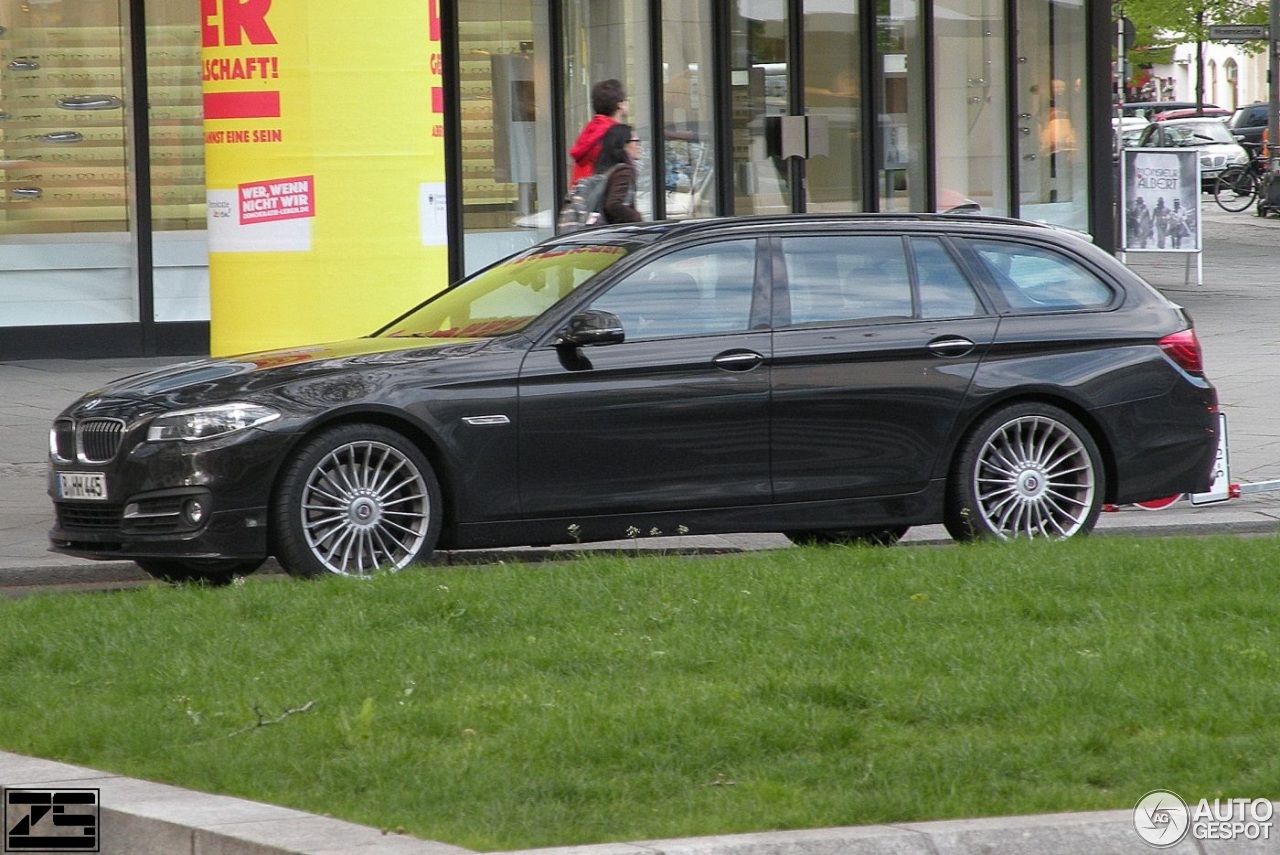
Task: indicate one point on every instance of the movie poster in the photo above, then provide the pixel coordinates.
(1161, 200)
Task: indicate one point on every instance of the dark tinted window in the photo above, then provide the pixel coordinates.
(847, 278)
(944, 290)
(1033, 278)
(696, 291)
(863, 278)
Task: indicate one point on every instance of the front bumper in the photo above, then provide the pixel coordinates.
(151, 489)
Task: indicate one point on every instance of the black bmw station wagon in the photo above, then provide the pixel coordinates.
(835, 378)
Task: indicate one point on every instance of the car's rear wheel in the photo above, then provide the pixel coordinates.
(1028, 470)
(353, 500)
(207, 571)
(869, 536)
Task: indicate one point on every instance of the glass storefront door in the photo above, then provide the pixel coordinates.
(899, 87)
(798, 108)
(833, 97)
(760, 83)
(970, 100)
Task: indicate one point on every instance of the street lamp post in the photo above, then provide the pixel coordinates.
(1273, 112)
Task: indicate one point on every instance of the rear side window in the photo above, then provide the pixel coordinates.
(854, 278)
(1037, 279)
(847, 278)
(944, 290)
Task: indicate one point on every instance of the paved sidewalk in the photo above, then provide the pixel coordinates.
(1237, 313)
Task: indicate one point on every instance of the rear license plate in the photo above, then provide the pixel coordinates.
(82, 485)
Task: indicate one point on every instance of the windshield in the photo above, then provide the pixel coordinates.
(1201, 132)
(506, 297)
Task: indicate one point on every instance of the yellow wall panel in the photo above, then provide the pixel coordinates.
(325, 212)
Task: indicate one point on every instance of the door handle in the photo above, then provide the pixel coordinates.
(738, 360)
(951, 348)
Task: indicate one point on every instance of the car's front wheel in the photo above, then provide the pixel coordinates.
(353, 500)
(208, 571)
(1028, 470)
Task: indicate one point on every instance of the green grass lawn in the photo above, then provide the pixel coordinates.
(616, 698)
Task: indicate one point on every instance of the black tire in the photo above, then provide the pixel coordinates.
(353, 500)
(1235, 189)
(176, 571)
(868, 536)
(1027, 470)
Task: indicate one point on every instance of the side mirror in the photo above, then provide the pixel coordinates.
(592, 327)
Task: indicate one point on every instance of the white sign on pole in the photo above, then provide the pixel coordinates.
(1237, 32)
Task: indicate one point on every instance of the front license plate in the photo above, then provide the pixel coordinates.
(82, 485)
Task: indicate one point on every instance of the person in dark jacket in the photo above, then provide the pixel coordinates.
(619, 149)
(609, 101)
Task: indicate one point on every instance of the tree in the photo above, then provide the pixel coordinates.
(1161, 25)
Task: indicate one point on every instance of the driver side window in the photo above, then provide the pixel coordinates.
(703, 290)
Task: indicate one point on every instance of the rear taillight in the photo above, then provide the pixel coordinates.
(1184, 349)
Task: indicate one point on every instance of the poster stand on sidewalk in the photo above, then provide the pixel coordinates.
(1160, 201)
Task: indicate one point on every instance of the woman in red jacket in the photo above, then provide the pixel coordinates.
(609, 102)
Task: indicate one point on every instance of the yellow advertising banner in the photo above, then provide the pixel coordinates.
(324, 158)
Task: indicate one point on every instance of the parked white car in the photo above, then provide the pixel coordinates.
(1218, 148)
(1129, 130)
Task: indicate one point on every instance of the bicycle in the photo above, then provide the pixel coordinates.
(1238, 187)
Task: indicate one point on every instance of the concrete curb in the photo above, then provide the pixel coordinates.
(143, 818)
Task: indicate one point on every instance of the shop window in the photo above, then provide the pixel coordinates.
(174, 117)
(971, 97)
(1052, 112)
(66, 255)
(605, 41)
(62, 91)
(180, 254)
(508, 196)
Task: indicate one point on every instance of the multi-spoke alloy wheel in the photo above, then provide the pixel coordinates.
(1026, 471)
(356, 499)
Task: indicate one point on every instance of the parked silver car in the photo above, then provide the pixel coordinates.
(1218, 148)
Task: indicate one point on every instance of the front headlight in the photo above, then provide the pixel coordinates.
(209, 422)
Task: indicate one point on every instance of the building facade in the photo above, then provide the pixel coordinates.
(744, 106)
